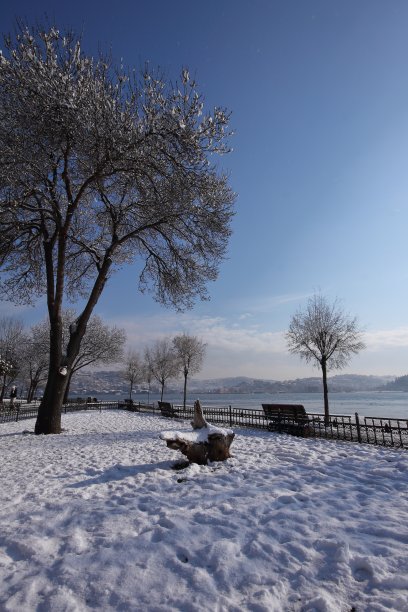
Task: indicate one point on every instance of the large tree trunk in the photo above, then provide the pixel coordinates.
(325, 392)
(59, 377)
(49, 412)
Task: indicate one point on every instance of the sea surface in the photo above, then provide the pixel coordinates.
(387, 404)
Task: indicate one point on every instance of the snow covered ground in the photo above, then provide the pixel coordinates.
(97, 519)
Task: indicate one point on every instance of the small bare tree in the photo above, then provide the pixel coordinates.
(134, 371)
(190, 352)
(36, 353)
(326, 336)
(101, 344)
(98, 168)
(161, 361)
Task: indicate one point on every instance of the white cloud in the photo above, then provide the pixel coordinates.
(268, 303)
(218, 334)
(231, 350)
(215, 331)
(383, 339)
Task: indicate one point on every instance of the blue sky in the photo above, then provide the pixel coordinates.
(319, 97)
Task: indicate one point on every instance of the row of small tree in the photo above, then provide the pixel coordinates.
(166, 359)
(25, 353)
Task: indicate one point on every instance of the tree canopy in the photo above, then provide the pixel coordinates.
(100, 167)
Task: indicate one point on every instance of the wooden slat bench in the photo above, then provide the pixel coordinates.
(167, 409)
(287, 418)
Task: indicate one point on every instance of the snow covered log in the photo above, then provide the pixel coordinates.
(205, 443)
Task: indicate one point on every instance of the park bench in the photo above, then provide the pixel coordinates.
(287, 418)
(167, 410)
(129, 404)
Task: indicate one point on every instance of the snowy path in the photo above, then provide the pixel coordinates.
(96, 519)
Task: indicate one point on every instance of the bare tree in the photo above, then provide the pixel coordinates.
(11, 346)
(326, 336)
(36, 357)
(100, 345)
(162, 362)
(190, 352)
(134, 371)
(99, 168)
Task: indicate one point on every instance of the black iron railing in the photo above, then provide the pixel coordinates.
(17, 412)
(369, 430)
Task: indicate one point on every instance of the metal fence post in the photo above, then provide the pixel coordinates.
(230, 416)
(358, 427)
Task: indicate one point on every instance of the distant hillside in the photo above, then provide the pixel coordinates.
(111, 382)
(337, 383)
(399, 384)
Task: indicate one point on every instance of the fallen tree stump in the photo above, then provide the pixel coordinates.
(205, 443)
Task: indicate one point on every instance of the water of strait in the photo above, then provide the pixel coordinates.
(385, 404)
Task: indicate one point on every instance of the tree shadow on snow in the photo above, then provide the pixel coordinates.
(119, 472)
